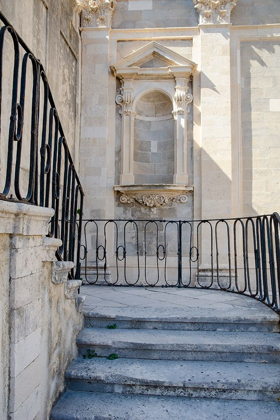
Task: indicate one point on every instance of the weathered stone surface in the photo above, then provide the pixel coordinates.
(180, 309)
(159, 364)
(251, 381)
(195, 345)
(94, 406)
(39, 322)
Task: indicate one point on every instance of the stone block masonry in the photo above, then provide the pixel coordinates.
(39, 316)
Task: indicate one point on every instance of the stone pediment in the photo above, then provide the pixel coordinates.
(153, 60)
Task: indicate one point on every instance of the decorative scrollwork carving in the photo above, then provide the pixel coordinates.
(124, 100)
(153, 200)
(182, 100)
(125, 199)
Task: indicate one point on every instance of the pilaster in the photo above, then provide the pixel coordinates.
(95, 118)
(124, 100)
(182, 101)
(216, 148)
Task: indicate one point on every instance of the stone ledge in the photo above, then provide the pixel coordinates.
(71, 288)
(153, 196)
(60, 271)
(24, 219)
(51, 245)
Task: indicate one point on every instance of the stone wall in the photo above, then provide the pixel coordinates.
(154, 14)
(260, 96)
(40, 315)
(50, 28)
(154, 140)
(256, 12)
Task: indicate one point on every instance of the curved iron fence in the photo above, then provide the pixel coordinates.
(36, 160)
(236, 255)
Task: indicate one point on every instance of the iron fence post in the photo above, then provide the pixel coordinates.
(180, 254)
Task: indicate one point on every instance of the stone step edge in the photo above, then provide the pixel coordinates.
(79, 404)
(241, 394)
(133, 371)
(197, 319)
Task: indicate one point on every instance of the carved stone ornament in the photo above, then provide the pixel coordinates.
(96, 13)
(182, 100)
(153, 200)
(124, 100)
(154, 196)
(214, 11)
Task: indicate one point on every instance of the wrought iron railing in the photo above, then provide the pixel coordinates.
(236, 255)
(36, 162)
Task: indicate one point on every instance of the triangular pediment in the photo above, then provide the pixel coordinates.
(152, 56)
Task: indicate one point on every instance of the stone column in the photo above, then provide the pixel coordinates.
(125, 101)
(182, 101)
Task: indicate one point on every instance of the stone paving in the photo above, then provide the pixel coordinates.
(172, 303)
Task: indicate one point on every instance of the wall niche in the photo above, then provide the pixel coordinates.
(154, 139)
(154, 102)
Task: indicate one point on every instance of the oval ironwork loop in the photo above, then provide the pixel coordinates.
(197, 254)
(104, 253)
(163, 252)
(123, 253)
(18, 124)
(85, 253)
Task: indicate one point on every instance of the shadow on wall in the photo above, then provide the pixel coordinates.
(260, 120)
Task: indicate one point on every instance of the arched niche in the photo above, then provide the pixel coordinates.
(152, 78)
(154, 139)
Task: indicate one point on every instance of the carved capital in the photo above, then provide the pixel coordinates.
(182, 99)
(124, 100)
(214, 11)
(96, 13)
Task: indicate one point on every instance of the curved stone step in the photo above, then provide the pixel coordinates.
(99, 406)
(180, 309)
(246, 381)
(182, 345)
(177, 320)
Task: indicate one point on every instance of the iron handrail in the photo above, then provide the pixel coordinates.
(51, 179)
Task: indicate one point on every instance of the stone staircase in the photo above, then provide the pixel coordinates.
(184, 367)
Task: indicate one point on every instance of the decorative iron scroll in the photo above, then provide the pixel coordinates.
(49, 179)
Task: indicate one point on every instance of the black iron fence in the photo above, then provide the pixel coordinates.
(36, 164)
(236, 255)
